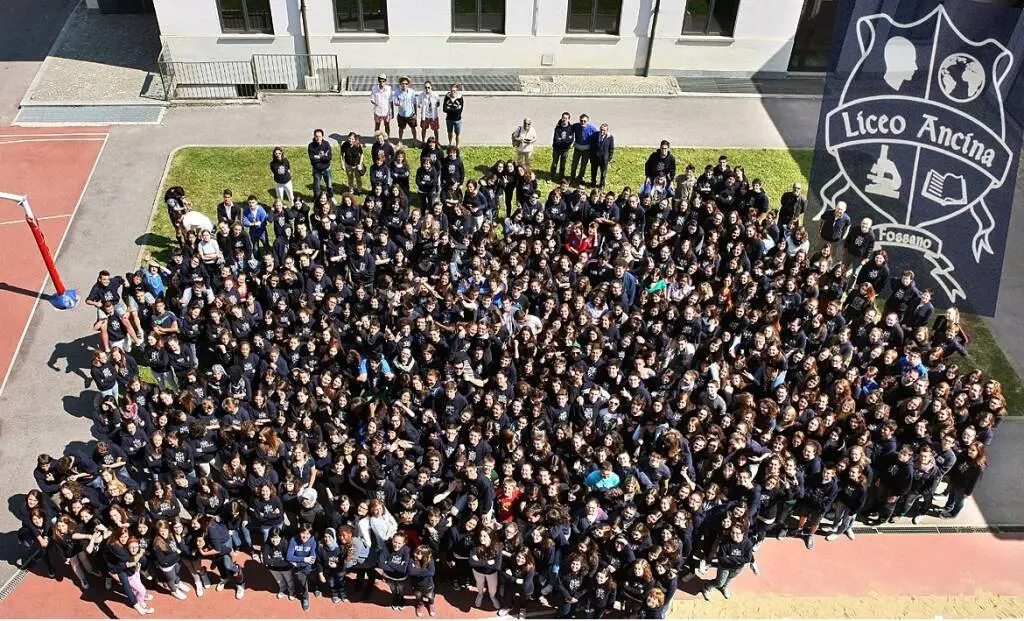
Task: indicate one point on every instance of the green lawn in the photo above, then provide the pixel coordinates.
(205, 172)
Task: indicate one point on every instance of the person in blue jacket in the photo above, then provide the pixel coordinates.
(302, 556)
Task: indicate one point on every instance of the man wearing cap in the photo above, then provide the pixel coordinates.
(403, 105)
(380, 99)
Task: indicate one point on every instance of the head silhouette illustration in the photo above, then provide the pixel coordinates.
(900, 61)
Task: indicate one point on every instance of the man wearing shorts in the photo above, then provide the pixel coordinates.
(428, 105)
(380, 98)
(454, 104)
(107, 288)
(403, 104)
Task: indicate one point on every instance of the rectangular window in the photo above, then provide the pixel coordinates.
(594, 16)
(478, 16)
(361, 16)
(245, 16)
(714, 18)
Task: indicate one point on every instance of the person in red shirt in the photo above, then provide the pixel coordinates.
(506, 500)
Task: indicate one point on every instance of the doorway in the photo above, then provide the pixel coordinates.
(812, 44)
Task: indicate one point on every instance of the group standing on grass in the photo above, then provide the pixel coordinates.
(584, 401)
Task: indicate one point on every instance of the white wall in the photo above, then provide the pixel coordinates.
(420, 37)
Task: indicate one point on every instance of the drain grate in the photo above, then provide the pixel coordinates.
(795, 85)
(480, 83)
(89, 114)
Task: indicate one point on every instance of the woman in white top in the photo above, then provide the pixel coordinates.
(209, 250)
(524, 139)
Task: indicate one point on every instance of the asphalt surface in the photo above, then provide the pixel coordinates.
(30, 28)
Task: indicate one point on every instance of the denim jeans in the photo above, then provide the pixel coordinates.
(129, 593)
(241, 537)
(319, 177)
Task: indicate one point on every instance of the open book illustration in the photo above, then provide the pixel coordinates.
(948, 189)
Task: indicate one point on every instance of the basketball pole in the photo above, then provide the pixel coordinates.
(65, 299)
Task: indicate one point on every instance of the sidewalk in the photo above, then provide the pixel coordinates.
(45, 408)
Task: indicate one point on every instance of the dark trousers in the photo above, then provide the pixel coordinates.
(598, 166)
(284, 580)
(558, 160)
(579, 159)
(300, 582)
(397, 591)
(424, 596)
(336, 584)
(322, 180)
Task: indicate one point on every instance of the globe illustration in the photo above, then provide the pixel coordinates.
(961, 77)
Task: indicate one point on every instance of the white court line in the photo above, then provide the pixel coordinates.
(57, 135)
(46, 278)
(97, 139)
(22, 221)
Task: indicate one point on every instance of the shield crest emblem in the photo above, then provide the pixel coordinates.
(919, 133)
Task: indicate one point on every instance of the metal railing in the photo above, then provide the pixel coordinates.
(246, 79)
(302, 73)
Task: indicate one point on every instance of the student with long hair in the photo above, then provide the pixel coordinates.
(167, 553)
(485, 559)
(421, 579)
(518, 575)
(964, 477)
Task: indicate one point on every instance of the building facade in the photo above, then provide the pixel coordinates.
(723, 37)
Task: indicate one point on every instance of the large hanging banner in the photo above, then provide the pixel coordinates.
(920, 131)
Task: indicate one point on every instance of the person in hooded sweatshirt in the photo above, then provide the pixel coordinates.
(572, 585)
(274, 555)
(895, 475)
(734, 553)
(561, 142)
(302, 555)
(394, 566)
(330, 565)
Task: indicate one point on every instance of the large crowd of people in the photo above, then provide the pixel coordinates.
(584, 397)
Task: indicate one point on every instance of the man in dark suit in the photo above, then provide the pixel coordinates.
(602, 149)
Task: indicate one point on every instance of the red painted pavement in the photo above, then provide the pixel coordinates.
(876, 565)
(52, 167)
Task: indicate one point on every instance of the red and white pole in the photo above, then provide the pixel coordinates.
(65, 298)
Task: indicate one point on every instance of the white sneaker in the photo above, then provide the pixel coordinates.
(200, 590)
(220, 586)
(757, 546)
(726, 593)
(184, 588)
(239, 591)
(179, 595)
(851, 535)
(281, 595)
(831, 536)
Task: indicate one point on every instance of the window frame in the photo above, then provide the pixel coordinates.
(707, 22)
(248, 28)
(478, 13)
(360, 19)
(592, 29)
